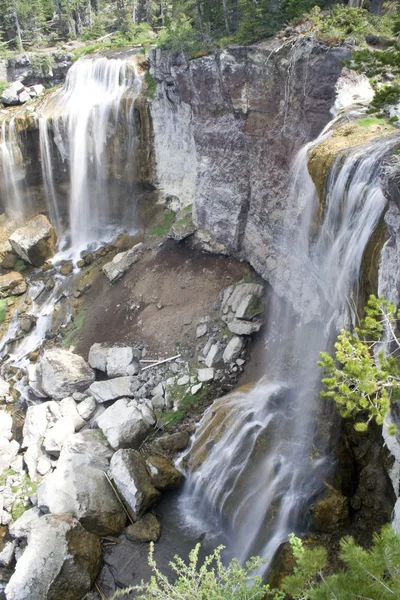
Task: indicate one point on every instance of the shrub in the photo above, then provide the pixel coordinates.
(42, 63)
(362, 383)
(209, 581)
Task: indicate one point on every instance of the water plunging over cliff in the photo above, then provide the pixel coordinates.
(258, 459)
(84, 117)
(12, 172)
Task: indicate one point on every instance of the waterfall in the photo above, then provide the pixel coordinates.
(84, 118)
(12, 172)
(258, 459)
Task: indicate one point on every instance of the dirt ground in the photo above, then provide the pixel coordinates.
(159, 301)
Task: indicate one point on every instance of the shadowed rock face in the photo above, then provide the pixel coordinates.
(227, 127)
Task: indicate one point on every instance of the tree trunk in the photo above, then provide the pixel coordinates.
(356, 3)
(18, 31)
(376, 7)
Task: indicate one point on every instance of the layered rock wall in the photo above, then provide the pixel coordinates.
(227, 127)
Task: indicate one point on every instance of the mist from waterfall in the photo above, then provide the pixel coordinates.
(257, 458)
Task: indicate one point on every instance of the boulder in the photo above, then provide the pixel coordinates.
(170, 444)
(330, 512)
(79, 487)
(87, 408)
(235, 296)
(56, 436)
(105, 391)
(62, 560)
(35, 242)
(205, 375)
(118, 360)
(38, 89)
(98, 357)
(233, 349)
(8, 451)
(214, 355)
(38, 419)
(12, 284)
(7, 554)
(69, 409)
(121, 262)
(63, 373)
(10, 96)
(240, 327)
(129, 473)
(125, 424)
(183, 227)
(163, 473)
(146, 529)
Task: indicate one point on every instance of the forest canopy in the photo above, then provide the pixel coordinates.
(198, 23)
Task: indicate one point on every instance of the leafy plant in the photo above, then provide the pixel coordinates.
(42, 63)
(363, 381)
(209, 581)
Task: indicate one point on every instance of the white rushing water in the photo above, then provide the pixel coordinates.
(257, 459)
(83, 118)
(12, 172)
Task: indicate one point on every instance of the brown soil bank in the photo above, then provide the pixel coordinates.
(159, 301)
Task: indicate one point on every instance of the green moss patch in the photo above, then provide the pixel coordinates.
(77, 323)
(186, 401)
(151, 85)
(162, 229)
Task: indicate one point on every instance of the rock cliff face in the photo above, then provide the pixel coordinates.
(227, 127)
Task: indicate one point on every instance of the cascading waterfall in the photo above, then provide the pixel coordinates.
(12, 172)
(256, 460)
(83, 116)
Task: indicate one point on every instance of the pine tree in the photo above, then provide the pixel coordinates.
(363, 380)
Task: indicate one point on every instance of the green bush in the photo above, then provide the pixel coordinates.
(181, 36)
(344, 22)
(42, 63)
(370, 574)
(362, 383)
(209, 581)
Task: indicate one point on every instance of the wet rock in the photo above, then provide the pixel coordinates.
(27, 322)
(35, 242)
(63, 373)
(79, 487)
(104, 391)
(233, 349)
(241, 295)
(146, 529)
(129, 473)
(38, 89)
(62, 560)
(170, 444)
(240, 327)
(163, 473)
(66, 267)
(121, 262)
(125, 424)
(330, 512)
(12, 284)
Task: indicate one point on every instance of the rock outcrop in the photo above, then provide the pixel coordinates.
(227, 127)
(61, 560)
(35, 242)
(62, 373)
